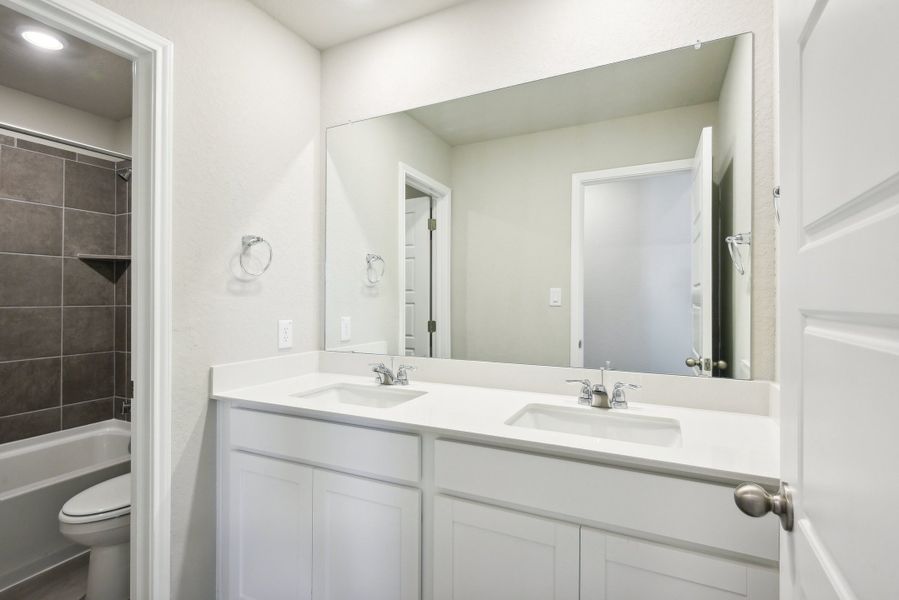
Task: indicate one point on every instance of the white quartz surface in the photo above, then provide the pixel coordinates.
(721, 446)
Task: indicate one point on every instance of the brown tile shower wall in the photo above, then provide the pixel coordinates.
(64, 339)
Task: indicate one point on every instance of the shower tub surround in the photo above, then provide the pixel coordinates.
(64, 321)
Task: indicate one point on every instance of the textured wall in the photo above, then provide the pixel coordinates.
(246, 160)
(479, 46)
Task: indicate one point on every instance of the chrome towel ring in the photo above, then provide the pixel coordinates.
(247, 242)
(374, 272)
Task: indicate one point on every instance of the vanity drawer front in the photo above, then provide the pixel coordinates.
(374, 452)
(681, 509)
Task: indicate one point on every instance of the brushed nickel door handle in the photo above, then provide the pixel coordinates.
(753, 500)
(693, 362)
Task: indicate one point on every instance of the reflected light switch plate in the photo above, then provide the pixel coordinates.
(346, 329)
(555, 296)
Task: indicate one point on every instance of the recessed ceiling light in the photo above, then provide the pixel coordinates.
(42, 39)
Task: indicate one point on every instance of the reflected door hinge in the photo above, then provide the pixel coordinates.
(432, 326)
(432, 224)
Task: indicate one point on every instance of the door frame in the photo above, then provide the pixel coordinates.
(579, 184)
(441, 261)
(152, 110)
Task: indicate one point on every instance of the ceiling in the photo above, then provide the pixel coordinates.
(326, 23)
(80, 75)
(662, 81)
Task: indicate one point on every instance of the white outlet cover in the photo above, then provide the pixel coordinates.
(346, 329)
(285, 334)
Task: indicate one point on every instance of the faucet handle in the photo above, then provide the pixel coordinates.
(586, 396)
(402, 374)
(618, 398)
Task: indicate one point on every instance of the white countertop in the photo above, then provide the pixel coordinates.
(716, 445)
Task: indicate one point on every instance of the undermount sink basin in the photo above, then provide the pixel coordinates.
(594, 422)
(360, 395)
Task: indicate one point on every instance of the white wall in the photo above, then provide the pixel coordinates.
(733, 142)
(363, 216)
(46, 116)
(637, 259)
(512, 226)
(246, 160)
(479, 46)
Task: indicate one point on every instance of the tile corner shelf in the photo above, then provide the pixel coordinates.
(110, 257)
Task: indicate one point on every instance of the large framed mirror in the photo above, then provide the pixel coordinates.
(600, 218)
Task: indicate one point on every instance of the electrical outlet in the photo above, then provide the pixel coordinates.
(285, 334)
(346, 329)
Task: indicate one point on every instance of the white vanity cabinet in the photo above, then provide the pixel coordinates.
(291, 528)
(269, 528)
(483, 552)
(366, 539)
(323, 510)
(615, 567)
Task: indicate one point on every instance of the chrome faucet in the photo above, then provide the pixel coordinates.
(618, 398)
(385, 375)
(592, 395)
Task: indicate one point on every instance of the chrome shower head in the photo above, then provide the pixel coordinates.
(125, 174)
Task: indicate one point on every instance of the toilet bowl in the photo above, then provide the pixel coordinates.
(100, 518)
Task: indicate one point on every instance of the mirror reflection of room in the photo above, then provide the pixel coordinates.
(599, 219)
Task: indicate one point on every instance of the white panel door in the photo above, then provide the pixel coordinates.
(839, 296)
(614, 567)
(270, 537)
(701, 267)
(418, 277)
(366, 539)
(486, 553)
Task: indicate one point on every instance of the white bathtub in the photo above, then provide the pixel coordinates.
(37, 476)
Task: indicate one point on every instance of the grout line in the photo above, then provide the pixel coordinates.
(59, 206)
(68, 306)
(18, 360)
(7, 253)
(62, 293)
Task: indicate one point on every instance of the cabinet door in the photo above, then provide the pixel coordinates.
(270, 529)
(487, 553)
(366, 539)
(620, 568)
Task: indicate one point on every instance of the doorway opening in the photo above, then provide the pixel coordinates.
(641, 266)
(424, 257)
(88, 195)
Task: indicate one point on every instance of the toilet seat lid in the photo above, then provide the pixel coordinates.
(107, 499)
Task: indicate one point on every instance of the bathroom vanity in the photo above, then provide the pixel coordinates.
(333, 486)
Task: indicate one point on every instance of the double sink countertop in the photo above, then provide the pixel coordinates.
(713, 445)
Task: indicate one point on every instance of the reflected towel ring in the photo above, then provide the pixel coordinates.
(247, 242)
(733, 246)
(372, 273)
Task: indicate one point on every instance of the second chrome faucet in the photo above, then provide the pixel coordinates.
(598, 397)
(387, 377)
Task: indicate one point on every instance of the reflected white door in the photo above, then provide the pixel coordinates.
(839, 297)
(418, 277)
(701, 269)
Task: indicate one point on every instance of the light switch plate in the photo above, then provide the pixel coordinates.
(555, 296)
(346, 329)
(285, 334)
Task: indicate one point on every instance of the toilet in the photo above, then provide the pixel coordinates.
(100, 518)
